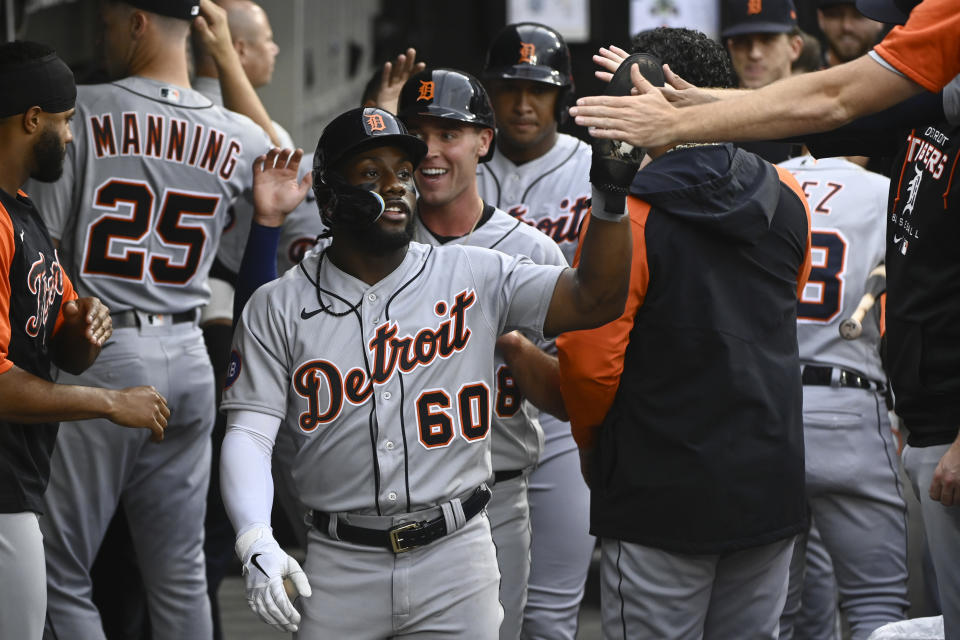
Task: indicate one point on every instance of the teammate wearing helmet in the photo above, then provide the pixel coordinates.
(392, 416)
(541, 176)
(450, 111)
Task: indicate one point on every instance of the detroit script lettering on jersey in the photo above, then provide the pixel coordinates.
(561, 228)
(390, 352)
(46, 283)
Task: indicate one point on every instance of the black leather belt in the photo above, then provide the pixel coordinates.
(503, 476)
(823, 376)
(406, 535)
(130, 318)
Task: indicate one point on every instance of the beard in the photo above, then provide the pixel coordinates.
(381, 241)
(48, 154)
(373, 239)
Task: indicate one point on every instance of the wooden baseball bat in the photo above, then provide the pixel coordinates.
(852, 327)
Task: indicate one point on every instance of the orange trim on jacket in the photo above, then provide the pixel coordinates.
(790, 180)
(591, 361)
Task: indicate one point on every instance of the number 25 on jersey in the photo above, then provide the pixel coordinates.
(117, 242)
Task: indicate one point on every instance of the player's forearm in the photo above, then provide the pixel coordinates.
(603, 275)
(245, 478)
(240, 96)
(72, 352)
(807, 103)
(536, 373)
(28, 399)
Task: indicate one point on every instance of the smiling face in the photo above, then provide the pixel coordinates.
(388, 171)
(762, 58)
(448, 173)
(526, 122)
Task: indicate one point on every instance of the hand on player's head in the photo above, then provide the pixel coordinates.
(608, 59)
(276, 191)
(214, 31)
(643, 120)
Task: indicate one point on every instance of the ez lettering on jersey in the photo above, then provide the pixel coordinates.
(390, 352)
(171, 139)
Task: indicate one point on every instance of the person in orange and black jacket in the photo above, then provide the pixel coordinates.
(687, 409)
(42, 322)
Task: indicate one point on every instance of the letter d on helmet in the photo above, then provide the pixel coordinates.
(348, 134)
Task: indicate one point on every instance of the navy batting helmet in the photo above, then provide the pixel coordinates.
(451, 94)
(349, 133)
(535, 52)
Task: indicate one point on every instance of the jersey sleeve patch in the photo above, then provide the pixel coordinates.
(233, 369)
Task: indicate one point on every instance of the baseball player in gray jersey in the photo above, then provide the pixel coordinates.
(392, 413)
(138, 214)
(853, 484)
(542, 177)
(450, 111)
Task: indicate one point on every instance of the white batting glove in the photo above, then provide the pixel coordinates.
(265, 568)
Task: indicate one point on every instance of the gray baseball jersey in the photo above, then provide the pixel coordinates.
(237, 224)
(393, 414)
(551, 193)
(519, 438)
(847, 213)
(852, 480)
(139, 212)
(146, 188)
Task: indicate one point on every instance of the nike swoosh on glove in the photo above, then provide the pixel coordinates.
(265, 566)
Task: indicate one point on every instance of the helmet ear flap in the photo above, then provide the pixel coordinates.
(565, 100)
(326, 199)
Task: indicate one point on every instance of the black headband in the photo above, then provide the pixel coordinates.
(46, 82)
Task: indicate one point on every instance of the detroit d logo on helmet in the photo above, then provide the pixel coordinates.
(374, 122)
(426, 90)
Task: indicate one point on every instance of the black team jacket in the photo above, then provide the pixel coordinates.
(701, 451)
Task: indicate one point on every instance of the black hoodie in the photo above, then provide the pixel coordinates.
(702, 450)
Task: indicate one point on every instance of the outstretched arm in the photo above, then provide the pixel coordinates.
(807, 103)
(25, 398)
(238, 94)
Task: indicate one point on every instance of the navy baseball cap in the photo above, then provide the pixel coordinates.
(832, 3)
(757, 16)
(889, 11)
(183, 9)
